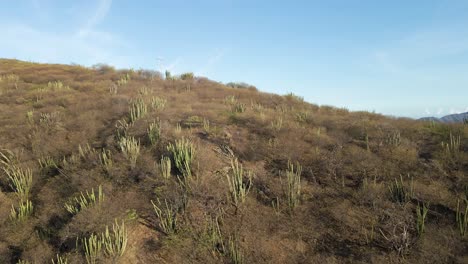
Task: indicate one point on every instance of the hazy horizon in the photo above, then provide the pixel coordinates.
(398, 58)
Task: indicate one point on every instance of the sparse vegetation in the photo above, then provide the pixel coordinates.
(183, 153)
(59, 260)
(462, 217)
(239, 108)
(293, 184)
(9, 78)
(47, 163)
(130, 148)
(110, 243)
(234, 251)
(237, 188)
(277, 124)
(154, 132)
(20, 180)
(213, 234)
(24, 210)
(165, 167)
(115, 241)
(138, 109)
(123, 80)
(188, 76)
(106, 159)
(158, 103)
(343, 199)
(400, 193)
(167, 216)
(84, 200)
(92, 247)
(452, 147)
(57, 86)
(421, 214)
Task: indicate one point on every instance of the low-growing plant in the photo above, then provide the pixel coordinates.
(188, 76)
(370, 235)
(138, 109)
(293, 184)
(275, 203)
(122, 127)
(130, 148)
(131, 214)
(230, 100)
(237, 188)
(9, 78)
(183, 153)
(84, 200)
(234, 250)
(277, 124)
(394, 139)
(59, 260)
(113, 89)
(192, 121)
(154, 132)
(115, 241)
(178, 128)
(302, 117)
(421, 214)
(50, 120)
(206, 125)
(92, 247)
(165, 167)
(20, 180)
(282, 108)
(452, 147)
(239, 108)
(294, 97)
(85, 151)
(158, 103)
(30, 117)
(213, 234)
(105, 158)
(462, 218)
(168, 75)
(257, 107)
(57, 85)
(24, 210)
(400, 239)
(399, 192)
(366, 138)
(111, 243)
(167, 216)
(47, 164)
(144, 91)
(124, 79)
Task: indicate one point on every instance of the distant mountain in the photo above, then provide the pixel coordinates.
(455, 118)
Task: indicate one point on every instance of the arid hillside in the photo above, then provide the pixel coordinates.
(101, 165)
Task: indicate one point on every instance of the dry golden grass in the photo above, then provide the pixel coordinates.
(345, 208)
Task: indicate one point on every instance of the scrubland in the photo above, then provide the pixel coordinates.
(99, 165)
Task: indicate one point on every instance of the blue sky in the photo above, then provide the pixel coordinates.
(402, 58)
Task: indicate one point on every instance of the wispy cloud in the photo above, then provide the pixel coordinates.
(85, 44)
(172, 65)
(100, 13)
(211, 62)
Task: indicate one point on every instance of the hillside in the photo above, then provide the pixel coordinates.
(187, 170)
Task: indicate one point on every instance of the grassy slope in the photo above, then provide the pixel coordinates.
(345, 213)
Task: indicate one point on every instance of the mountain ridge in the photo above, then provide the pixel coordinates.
(453, 118)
